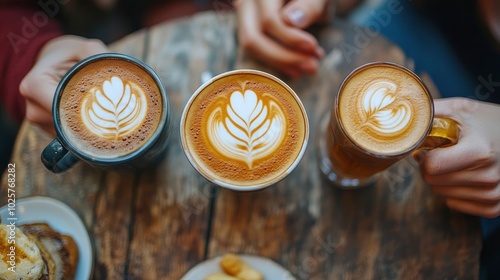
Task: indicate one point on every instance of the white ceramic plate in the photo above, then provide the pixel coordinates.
(62, 219)
(269, 269)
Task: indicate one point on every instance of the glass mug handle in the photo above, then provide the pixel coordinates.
(57, 158)
(444, 132)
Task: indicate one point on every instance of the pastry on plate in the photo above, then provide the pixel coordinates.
(41, 253)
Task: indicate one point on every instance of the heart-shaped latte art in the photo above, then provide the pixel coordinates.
(383, 111)
(248, 128)
(115, 109)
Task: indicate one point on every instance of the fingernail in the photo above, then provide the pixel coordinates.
(297, 17)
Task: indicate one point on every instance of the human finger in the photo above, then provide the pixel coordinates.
(38, 89)
(265, 49)
(485, 176)
(291, 63)
(471, 152)
(486, 210)
(40, 116)
(71, 48)
(483, 194)
(90, 47)
(290, 36)
(456, 107)
(303, 13)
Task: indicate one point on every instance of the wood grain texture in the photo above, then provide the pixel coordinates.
(159, 223)
(172, 209)
(77, 188)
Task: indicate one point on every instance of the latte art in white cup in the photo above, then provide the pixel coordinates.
(244, 130)
(249, 128)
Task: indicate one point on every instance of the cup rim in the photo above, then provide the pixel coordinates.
(254, 187)
(409, 72)
(105, 161)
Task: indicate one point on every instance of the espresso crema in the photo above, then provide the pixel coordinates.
(384, 109)
(244, 129)
(110, 108)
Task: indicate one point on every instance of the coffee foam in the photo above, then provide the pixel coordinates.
(110, 108)
(245, 130)
(249, 128)
(384, 110)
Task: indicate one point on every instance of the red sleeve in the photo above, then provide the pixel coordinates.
(24, 29)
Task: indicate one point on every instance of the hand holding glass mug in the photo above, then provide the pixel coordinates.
(383, 112)
(467, 175)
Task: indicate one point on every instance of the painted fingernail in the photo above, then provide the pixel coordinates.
(297, 17)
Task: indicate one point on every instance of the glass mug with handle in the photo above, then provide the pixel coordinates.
(383, 112)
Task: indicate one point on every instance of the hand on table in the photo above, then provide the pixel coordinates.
(467, 174)
(54, 60)
(273, 32)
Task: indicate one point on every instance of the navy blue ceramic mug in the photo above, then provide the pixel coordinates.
(111, 111)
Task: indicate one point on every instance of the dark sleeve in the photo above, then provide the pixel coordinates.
(25, 27)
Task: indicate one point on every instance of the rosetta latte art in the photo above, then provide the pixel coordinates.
(248, 128)
(383, 112)
(115, 109)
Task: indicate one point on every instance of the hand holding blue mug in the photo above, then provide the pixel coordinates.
(111, 111)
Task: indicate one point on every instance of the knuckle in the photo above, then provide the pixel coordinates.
(92, 45)
(318, 7)
(24, 87)
(429, 164)
(462, 104)
(268, 21)
(493, 179)
(430, 168)
(247, 43)
(29, 84)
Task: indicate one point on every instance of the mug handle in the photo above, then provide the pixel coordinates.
(56, 158)
(444, 132)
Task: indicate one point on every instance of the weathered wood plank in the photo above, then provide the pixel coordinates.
(172, 207)
(113, 220)
(77, 188)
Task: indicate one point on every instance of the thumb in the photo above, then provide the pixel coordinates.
(303, 13)
(88, 47)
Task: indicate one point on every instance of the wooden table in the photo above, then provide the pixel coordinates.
(160, 223)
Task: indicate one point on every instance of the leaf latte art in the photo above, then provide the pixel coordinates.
(383, 111)
(248, 128)
(115, 109)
